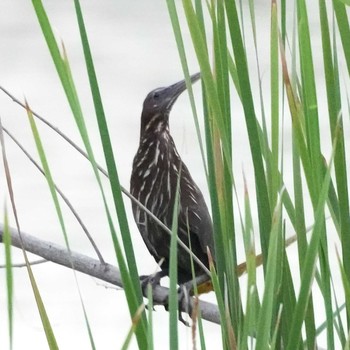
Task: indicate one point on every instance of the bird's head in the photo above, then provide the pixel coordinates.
(158, 104)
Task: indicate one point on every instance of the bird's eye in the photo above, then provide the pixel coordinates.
(156, 95)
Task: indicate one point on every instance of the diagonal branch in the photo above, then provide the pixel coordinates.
(92, 267)
(63, 196)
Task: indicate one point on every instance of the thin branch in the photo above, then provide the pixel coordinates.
(92, 267)
(31, 263)
(65, 199)
(81, 151)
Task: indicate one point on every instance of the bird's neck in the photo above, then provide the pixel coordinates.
(155, 126)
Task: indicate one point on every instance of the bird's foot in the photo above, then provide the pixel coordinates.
(152, 280)
(184, 303)
(185, 291)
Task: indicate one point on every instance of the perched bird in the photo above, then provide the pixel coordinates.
(156, 168)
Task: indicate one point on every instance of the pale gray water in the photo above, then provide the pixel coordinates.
(134, 51)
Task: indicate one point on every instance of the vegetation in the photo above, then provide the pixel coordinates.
(279, 311)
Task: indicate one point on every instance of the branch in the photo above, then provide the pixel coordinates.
(92, 267)
(58, 190)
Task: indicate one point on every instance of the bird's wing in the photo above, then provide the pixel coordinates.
(194, 216)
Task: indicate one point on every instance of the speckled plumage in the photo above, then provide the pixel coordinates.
(154, 178)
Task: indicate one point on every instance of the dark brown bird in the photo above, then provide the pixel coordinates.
(156, 168)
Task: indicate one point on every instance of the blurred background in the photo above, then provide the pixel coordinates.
(134, 51)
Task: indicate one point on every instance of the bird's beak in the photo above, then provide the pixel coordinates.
(172, 92)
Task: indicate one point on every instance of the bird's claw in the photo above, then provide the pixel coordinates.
(183, 304)
(183, 294)
(152, 280)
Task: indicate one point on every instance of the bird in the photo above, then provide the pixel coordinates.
(154, 181)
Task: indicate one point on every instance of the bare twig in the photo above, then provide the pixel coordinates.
(65, 199)
(92, 267)
(31, 263)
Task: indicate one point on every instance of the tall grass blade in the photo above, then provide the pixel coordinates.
(150, 340)
(215, 124)
(196, 312)
(336, 125)
(344, 29)
(266, 312)
(9, 277)
(310, 107)
(50, 337)
(173, 292)
(253, 303)
(113, 175)
(275, 128)
(66, 78)
(134, 325)
(183, 59)
(300, 152)
(300, 228)
(54, 195)
(63, 70)
(308, 270)
(264, 210)
(106, 142)
(48, 175)
(207, 77)
(225, 182)
(221, 304)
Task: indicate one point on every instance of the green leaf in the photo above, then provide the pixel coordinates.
(346, 2)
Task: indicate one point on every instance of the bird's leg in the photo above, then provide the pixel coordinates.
(184, 299)
(185, 291)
